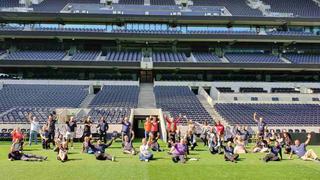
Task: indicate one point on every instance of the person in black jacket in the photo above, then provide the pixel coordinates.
(51, 124)
(229, 154)
(103, 127)
(275, 153)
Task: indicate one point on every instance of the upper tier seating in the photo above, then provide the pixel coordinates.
(236, 7)
(124, 56)
(85, 56)
(206, 57)
(10, 3)
(273, 114)
(297, 7)
(58, 5)
(176, 100)
(36, 55)
(116, 96)
(225, 89)
(252, 90)
(163, 2)
(303, 58)
(169, 57)
(252, 58)
(284, 90)
(136, 2)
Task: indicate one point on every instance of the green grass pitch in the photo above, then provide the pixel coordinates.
(84, 166)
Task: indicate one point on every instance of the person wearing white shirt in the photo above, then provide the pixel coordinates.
(145, 154)
(34, 129)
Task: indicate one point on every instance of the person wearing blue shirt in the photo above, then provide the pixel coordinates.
(300, 150)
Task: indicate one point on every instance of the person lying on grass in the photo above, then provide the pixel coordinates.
(275, 153)
(300, 150)
(17, 154)
(128, 146)
(229, 154)
(100, 150)
(145, 154)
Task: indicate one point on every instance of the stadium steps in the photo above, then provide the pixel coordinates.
(86, 102)
(213, 113)
(146, 96)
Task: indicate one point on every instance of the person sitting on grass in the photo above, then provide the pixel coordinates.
(275, 153)
(100, 150)
(229, 154)
(145, 154)
(287, 142)
(87, 146)
(44, 134)
(240, 145)
(63, 152)
(127, 144)
(300, 150)
(16, 154)
(153, 142)
(261, 146)
(179, 151)
(58, 142)
(214, 145)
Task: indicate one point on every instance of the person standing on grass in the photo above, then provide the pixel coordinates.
(51, 124)
(275, 153)
(87, 127)
(300, 150)
(154, 126)
(147, 127)
(34, 129)
(103, 127)
(71, 127)
(126, 128)
(172, 127)
(219, 131)
(205, 129)
(145, 154)
(261, 125)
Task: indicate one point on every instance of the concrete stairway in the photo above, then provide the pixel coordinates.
(86, 102)
(213, 113)
(146, 96)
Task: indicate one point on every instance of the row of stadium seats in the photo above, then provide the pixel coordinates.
(164, 56)
(148, 31)
(181, 100)
(41, 96)
(274, 114)
(116, 96)
(306, 8)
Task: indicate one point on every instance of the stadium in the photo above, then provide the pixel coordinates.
(160, 89)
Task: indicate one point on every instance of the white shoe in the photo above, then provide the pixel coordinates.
(147, 160)
(113, 159)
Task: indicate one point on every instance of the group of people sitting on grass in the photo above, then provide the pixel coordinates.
(213, 137)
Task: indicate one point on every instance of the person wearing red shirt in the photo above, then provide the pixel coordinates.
(172, 128)
(17, 136)
(220, 130)
(154, 126)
